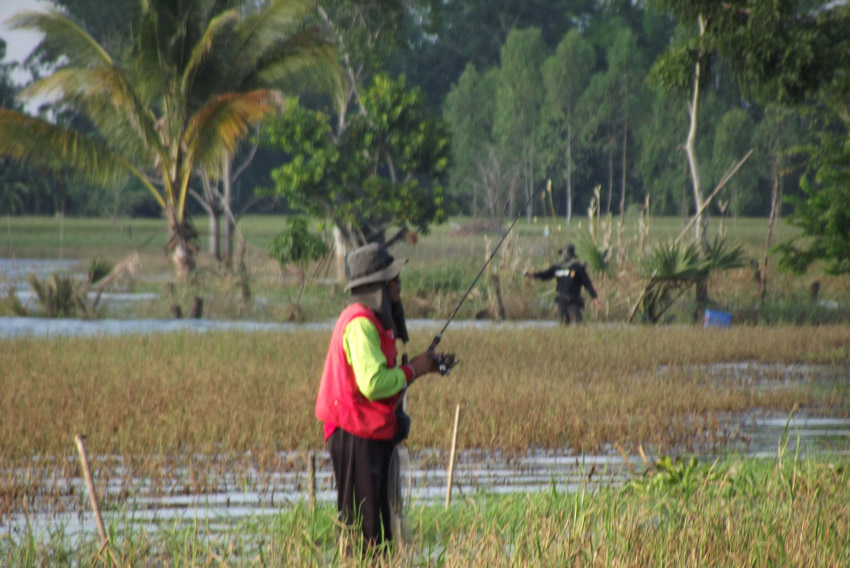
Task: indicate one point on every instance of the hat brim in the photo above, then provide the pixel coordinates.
(384, 275)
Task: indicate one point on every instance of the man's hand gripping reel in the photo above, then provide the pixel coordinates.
(447, 361)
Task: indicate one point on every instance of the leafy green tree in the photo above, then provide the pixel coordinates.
(297, 245)
(175, 108)
(624, 77)
(454, 33)
(11, 186)
(366, 34)
(777, 50)
(518, 104)
(824, 213)
(8, 91)
(566, 75)
(664, 174)
(733, 138)
(387, 168)
(776, 138)
(469, 109)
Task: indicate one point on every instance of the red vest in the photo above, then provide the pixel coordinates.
(340, 403)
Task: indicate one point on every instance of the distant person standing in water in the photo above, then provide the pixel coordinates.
(571, 277)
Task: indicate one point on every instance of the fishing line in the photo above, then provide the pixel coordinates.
(451, 361)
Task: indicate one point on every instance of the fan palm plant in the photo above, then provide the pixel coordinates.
(198, 76)
(672, 268)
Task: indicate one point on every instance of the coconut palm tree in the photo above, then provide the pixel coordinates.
(198, 76)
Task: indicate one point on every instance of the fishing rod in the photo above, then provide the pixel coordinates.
(448, 361)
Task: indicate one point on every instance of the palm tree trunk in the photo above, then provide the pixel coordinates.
(62, 220)
(182, 254)
(227, 186)
(214, 219)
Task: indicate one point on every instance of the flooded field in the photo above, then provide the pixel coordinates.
(218, 490)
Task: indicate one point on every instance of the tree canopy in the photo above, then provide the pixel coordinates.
(591, 116)
(387, 168)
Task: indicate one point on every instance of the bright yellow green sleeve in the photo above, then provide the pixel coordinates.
(362, 347)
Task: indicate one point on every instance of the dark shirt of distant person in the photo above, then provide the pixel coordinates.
(571, 276)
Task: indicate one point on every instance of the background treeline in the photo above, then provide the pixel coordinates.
(527, 88)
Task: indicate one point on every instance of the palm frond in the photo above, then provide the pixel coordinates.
(12, 304)
(597, 257)
(47, 145)
(720, 256)
(62, 37)
(214, 132)
(99, 269)
(303, 60)
(37, 141)
(673, 261)
(202, 48)
(262, 30)
(120, 114)
(106, 97)
(673, 266)
(273, 36)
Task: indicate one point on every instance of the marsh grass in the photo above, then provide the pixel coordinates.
(181, 411)
(442, 265)
(733, 512)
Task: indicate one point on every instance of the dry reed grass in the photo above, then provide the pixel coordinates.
(230, 393)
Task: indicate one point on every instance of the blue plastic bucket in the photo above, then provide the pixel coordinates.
(714, 318)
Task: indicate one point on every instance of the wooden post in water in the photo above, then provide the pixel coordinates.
(197, 307)
(92, 495)
(450, 474)
(311, 475)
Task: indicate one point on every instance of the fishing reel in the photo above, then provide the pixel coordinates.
(447, 362)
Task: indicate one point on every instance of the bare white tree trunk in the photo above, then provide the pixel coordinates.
(340, 250)
(701, 226)
(610, 174)
(775, 214)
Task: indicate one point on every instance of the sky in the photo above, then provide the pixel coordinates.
(19, 44)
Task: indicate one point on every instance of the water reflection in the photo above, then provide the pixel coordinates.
(231, 493)
(42, 327)
(15, 271)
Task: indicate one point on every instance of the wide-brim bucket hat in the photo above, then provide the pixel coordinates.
(370, 264)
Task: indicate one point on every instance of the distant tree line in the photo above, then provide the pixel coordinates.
(647, 103)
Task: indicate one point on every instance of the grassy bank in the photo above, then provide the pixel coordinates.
(781, 512)
(442, 266)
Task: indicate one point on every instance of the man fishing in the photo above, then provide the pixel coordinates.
(361, 386)
(571, 277)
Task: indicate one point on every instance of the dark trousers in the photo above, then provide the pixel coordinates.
(569, 311)
(362, 472)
